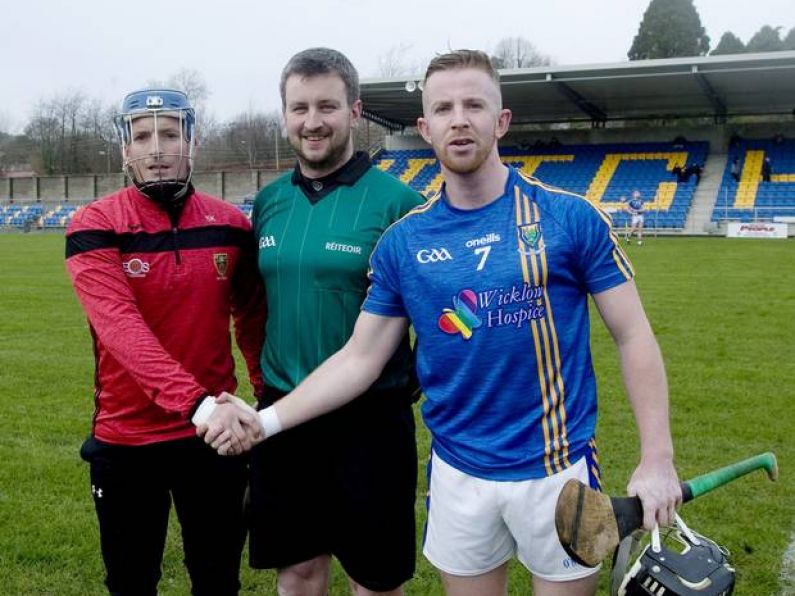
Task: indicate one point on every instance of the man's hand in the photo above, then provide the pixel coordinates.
(656, 483)
(233, 427)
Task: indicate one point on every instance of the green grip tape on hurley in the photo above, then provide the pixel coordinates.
(711, 480)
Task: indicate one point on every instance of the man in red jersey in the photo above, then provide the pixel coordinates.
(159, 268)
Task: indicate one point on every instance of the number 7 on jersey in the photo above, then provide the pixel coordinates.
(484, 251)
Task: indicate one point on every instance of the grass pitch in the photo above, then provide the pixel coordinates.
(724, 314)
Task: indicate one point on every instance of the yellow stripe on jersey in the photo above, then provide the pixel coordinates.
(620, 265)
(620, 257)
(424, 207)
(556, 352)
(547, 380)
(536, 342)
(596, 471)
(594, 450)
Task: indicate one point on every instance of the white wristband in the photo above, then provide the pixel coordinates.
(270, 421)
(204, 411)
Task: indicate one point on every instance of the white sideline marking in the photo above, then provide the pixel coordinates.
(788, 569)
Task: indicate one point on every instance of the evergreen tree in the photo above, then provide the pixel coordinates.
(767, 39)
(729, 44)
(669, 29)
(789, 40)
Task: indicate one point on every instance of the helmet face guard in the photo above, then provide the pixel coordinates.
(682, 564)
(145, 167)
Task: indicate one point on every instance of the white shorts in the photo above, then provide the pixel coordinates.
(476, 525)
(637, 220)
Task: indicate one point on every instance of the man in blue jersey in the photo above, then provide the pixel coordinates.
(494, 273)
(635, 210)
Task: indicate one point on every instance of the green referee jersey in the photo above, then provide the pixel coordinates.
(313, 258)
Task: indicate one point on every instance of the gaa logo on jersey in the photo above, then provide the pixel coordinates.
(135, 268)
(221, 262)
(433, 255)
(267, 241)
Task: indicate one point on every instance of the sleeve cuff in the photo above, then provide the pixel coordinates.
(270, 421)
(204, 411)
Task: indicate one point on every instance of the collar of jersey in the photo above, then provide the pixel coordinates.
(347, 175)
(508, 190)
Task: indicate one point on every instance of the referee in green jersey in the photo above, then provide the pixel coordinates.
(343, 485)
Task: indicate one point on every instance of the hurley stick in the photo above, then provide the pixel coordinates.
(590, 524)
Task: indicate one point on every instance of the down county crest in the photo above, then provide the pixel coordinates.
(532, 243)
(221, 261)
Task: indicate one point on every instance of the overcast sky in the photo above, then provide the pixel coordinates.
(105, 48)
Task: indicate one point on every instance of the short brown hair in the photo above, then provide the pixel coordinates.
(463, 59)
(321, 61)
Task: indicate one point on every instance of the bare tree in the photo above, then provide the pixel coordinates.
(252, 139)
(394, 63)
(43, 128)
(5, 122)
(518, 52)
(71, 134)
(191, 82)
(15, 152)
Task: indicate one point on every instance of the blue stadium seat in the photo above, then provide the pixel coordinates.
(645, 171)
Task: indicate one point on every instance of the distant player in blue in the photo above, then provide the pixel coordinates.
(494, 273)
(635, 210)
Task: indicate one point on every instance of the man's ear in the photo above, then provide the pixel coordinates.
(356, 112)
(424, 129)
(503, 123)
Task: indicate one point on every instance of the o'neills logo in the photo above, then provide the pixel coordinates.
(489, 238)
(221, 261)
(135, 268)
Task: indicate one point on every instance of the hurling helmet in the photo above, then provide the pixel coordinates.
(683, 563)
(158, 103)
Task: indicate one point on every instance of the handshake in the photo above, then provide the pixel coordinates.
(231, 426)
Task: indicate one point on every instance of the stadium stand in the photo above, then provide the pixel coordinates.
(20, 216)
(55, 216)
(605, 174)
(59, 217)
(750, 198)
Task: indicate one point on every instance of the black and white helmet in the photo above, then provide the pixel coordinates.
(683, 563)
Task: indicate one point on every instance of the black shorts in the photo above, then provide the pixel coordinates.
(344, 484)
(133, 488)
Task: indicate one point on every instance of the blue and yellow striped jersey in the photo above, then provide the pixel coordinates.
(498, 299)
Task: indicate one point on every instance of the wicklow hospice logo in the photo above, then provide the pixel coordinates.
(498, 307)
(463, 318)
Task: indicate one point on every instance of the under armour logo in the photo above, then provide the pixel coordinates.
(97, 492)
(209, 218)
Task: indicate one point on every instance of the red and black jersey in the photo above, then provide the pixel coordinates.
(158, 296)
